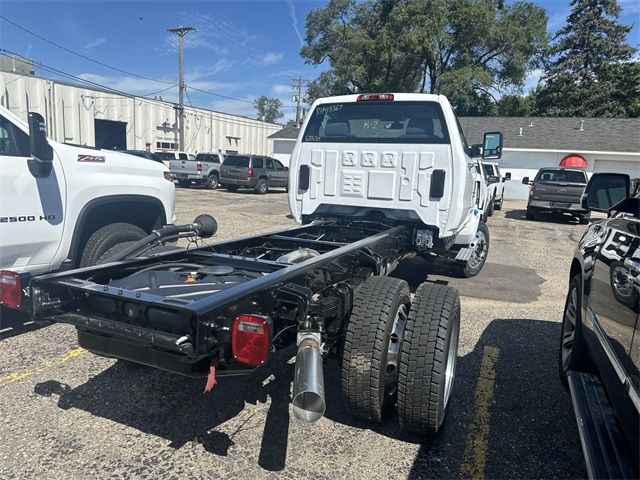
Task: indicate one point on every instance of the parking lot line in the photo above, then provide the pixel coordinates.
(475, 452)
(19, 375)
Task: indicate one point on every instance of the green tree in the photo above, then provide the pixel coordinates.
(517, 105)
(268, 109)
(437, 46)
(592, 72)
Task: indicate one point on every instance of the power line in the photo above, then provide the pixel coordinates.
(97, 62)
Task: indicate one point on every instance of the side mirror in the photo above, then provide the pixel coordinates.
(492, 146)
(507, 176)
(606, 190)
(525, 181)
(493, 179)
(475, 151)
(286, 169)
(39, 147)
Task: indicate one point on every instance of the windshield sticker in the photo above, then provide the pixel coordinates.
(311, 138)
(328, 109)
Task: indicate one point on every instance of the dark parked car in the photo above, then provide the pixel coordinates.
(557, 190)
(600, 339)
(144, 154)
(253, 171)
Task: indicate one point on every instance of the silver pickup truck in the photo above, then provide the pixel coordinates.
(557, 190)
(203, 170)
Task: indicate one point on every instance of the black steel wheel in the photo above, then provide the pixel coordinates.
(428, 359)
(370, 359)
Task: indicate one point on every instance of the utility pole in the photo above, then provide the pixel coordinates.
(297, 87)
(181, 32)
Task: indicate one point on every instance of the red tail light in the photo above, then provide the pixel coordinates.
(250, 172)
(375, 97)
(198, 167)
(251, 339)
(532, 190)
(10, 289)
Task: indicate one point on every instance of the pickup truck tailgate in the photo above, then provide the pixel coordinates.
(559, 191)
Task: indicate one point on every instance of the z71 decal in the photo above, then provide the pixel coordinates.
(91, 158)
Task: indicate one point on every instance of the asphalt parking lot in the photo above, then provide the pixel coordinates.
(69, 414)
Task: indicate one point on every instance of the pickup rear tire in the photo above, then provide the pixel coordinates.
(428, 359)
(584, 219)
(211, 182)
(531, 213)
(480, 253)
(372, 347)
(261, 187)
(498, 205)
(184, 183)
(491, 207)
(106, 238)
(232, 188)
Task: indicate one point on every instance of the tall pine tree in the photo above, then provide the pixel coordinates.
(592, 72)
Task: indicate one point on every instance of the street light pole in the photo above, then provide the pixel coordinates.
(181, 32)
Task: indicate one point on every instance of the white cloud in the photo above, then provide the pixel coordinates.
(282, 89)
(271, 58)
(532, 79)
(294, 21)
(94, 43)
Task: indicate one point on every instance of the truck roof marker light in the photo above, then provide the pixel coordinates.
(375, 97)
(251, 339)
(10, 289)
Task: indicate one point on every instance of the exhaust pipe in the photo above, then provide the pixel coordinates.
(308, 381)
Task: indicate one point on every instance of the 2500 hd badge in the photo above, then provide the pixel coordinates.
(27, 218)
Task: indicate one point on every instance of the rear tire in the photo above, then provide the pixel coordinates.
(480, 253)
(490, 208)
(531, 213)
(106, 238)
(184, 183)
(428, 359)
(372, 347)
(261, 187)
(584, 219)
(498, 206)
(232, 188)
(211, 182)
(573, 354)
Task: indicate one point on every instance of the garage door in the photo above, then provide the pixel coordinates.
(631, 168)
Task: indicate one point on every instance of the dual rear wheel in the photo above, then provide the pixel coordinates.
(401, 354)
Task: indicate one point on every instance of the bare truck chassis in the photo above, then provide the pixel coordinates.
(223, 308)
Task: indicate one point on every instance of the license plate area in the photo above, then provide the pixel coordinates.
(560, 204)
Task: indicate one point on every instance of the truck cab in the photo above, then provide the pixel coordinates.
(401, 157)
(65, 205)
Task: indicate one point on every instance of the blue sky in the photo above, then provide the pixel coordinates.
(242, 49)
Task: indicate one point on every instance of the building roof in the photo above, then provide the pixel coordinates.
(287, 133)
(548, 133)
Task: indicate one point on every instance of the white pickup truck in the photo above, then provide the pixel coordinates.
(64, 206)
(495, 185)
(399, 158)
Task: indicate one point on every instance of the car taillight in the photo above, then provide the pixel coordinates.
(10, 289)
(198, 167)
(532, 190)
(375, 97)
(251, 339)
(250, 172)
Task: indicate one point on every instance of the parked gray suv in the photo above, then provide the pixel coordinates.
(253, 171)
(557, 190)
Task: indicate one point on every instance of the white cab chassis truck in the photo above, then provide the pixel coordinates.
(65, 206)
(399, 158)
(375, 179)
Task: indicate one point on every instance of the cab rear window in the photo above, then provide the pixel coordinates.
(377, 122)
(567, 176)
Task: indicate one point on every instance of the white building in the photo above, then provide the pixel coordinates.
(530, 143)
(283, 143)
(102, 118)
